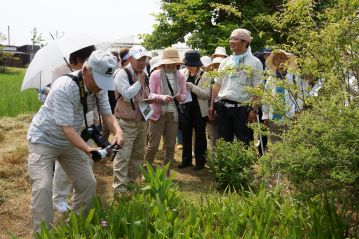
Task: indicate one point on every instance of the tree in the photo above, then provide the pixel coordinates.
(208, 24)
(37, 38)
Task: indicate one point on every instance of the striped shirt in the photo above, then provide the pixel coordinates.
(170, 106)
(63, 108)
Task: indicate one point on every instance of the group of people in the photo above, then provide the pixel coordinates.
(140, 98)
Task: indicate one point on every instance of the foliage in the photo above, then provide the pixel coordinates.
(12, 101)
(231, 164)
(324, 35)
(206, 24)
(36, 38)
(320, 153)
(246, 215)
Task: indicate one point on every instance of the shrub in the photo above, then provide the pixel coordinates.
(320, 153)
(231, 164)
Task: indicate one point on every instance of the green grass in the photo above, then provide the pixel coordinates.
(13, 102)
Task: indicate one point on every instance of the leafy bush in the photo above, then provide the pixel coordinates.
(231, 164)
(321, 152)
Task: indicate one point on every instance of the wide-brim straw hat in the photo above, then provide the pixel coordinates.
(170, 56)
(291, 60)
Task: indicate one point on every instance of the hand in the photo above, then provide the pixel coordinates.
(211, 115)
(90, 149)
(189, 85)
(141, 77)
(252, 116)
(266, 122)
(177, 97)
(118, 139)
(168, 99)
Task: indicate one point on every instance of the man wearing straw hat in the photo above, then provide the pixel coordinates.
(236, 106)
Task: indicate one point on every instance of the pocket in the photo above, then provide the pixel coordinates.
(34, 165)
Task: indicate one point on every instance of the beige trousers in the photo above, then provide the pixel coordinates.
(167, 127)
(77, 167)
(130, 156)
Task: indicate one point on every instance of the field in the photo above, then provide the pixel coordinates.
(12, 100)
(204, 212)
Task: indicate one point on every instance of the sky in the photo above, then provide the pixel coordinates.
(105, 20)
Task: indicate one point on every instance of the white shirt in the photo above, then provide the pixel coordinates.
(234, 87)
(293, 100)
(63, 108)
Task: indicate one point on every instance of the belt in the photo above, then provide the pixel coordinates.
(231, 103)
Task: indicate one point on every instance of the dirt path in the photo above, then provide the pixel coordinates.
(15, 188)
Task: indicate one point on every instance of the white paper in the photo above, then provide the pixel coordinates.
(188, 97)
(145, 109)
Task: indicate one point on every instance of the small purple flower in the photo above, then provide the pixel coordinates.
(104, 223)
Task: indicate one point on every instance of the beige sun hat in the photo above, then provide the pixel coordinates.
(220, 51)
(291, 60)
(217, 60)
(170, 56)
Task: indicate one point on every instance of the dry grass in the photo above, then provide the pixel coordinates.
(15, 187)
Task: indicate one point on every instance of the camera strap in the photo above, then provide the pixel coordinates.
(83, 94)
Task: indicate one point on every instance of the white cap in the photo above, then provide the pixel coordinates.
(206, 60)
(137, 52)
(103, 65)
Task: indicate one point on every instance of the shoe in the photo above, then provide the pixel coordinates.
(198, 167)
(182, 165)
(62, 207)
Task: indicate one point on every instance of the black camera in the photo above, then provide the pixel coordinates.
(110, 150)
(94, 132)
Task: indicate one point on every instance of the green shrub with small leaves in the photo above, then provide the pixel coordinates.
(320, 153)
(231, 164)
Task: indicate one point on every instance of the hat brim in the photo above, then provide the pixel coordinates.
(218, 55)
(103, 82)
(170, 61)
(292, 64)
(193, 64)
(154, 66)
(139, 55)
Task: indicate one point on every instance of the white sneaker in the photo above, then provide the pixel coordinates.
(62, 207)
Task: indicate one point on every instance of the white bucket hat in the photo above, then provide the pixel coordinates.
(206, 61)
(155, 62)
(220, 51)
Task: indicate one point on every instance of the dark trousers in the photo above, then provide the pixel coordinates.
(191, 118)
(232, 121)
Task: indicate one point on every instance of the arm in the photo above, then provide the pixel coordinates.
(112, 124)
(181, 96)
(76, 140)
(200, 92)
(123, 86)
(215, 91)
(154, 86)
